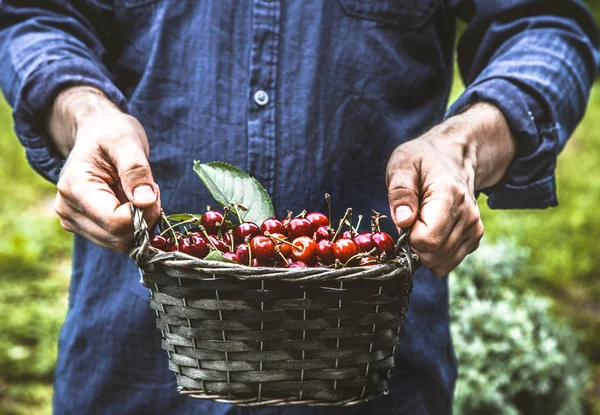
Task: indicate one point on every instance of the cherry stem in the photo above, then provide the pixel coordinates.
(360, 218)
(225, 212)
(249, 254)
(231, 239)
(375, 220)
(192, 220)
(164, 218)
(275, 238)
(359, 255)
(203, 230)
(348, 212)
(278, 250)
(301, 214)
(328, 201)
(237, 213)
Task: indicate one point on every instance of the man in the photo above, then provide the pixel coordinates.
(309, 97)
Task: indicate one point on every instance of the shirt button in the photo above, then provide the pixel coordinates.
(261, 97)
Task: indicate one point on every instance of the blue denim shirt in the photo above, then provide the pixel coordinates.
(308, 96)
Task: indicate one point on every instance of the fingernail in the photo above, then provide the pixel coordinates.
(403, 213)
(144, 194)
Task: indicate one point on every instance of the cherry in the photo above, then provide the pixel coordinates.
(285, 249)
(233, 257)
(323, 232)
(347, 234)
(263, 248)
(159, 242)
(297, 264)
(364, 241)
(194, 244)
(368, 260)
(227, 238)
(300, 227)
(384, 244)
(325, 252)
(211, 221)
(272, 225)
(305, 249)
(344, 249)
(220, 245)
(258, 263)
(246, 229)
(317, 219)
(243, 253)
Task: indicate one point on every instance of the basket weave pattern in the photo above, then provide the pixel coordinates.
(273, 336)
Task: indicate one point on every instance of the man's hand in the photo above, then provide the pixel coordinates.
(106, 168)
(432, 181)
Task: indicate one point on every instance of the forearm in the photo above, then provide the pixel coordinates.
(483, 136)
(72, 107)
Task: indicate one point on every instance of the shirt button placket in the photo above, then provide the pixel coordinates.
(262, 127)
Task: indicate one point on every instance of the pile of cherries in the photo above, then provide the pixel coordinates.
(306, 240)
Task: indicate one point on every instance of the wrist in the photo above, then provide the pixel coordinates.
(485, 141)
(71, 108)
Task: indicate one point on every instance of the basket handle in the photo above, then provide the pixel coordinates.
(140, 236)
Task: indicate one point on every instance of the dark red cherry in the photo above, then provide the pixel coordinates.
(344, 249)
(227, 238)
(246, 229)
(323, 232)
(317, 219)
(211, 221)
(258, 263)
(325, 252)
(364, 241)
(272, 225)
(368, 260)
(384, 244)
(297, 264)
(160, 242)
(233, 257)
(300, 227)
(304, 249)
(262, 248)
(348, 234)
(194, 244)
(219, 244)
(243, 253)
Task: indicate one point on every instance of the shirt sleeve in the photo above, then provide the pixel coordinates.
(45, 46)
(536, 61)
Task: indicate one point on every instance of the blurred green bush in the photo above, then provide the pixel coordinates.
(513, 357)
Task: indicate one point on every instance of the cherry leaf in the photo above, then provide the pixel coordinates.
(217, 256)
(181, 217)
(230, 185)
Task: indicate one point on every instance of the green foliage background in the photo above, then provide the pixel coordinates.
(34, 261)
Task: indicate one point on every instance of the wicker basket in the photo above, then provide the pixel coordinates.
(273, 336)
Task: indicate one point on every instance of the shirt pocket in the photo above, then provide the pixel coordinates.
(411, 14)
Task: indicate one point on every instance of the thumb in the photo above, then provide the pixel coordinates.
(136, 176)
(403, 196)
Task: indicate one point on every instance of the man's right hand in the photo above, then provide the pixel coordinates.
(106, 168)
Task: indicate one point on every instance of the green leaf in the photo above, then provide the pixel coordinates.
(180, 217)
(217, 256)
(228, 184)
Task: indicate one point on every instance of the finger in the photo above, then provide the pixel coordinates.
(465, 249)
(469, 226)
(436, 220)
(131, 161)
(403, 193)
(88, 229)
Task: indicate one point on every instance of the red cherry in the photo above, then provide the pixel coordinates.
(211, 221)
(246, 229)
(194, 245)
(347, 234)
(317, 219)
(233, 257)
(325, 252)
(344, 249)
(262, 248)
(384, 244)
(258, 263)
(297, 264)
(368, 260)
(364, 241)
(227, 238)
(305, 249)
(300, 227)
(285, 249)
(220, 245)
(243, 253)
(272, 225)
(159, 242)
(323, 232)
(174, 246)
